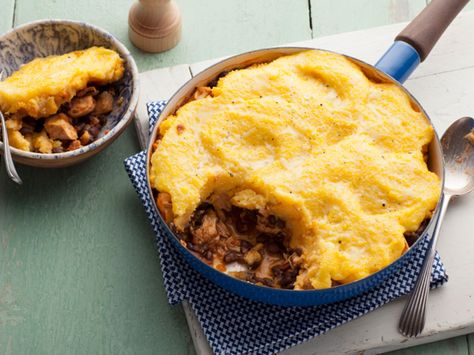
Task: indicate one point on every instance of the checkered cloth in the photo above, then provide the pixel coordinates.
(234, 325)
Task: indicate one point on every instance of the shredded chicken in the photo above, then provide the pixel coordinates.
(81, 106)
(104, 103)
(59, 127)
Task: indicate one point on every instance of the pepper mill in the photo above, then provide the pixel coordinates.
(154, 25)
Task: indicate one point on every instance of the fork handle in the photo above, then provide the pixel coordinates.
(413, 316)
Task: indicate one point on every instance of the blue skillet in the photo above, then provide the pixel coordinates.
(409, 49)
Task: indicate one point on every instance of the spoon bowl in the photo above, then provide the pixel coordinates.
(458, 153)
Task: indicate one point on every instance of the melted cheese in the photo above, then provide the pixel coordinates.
(314, 141)
(39, 87)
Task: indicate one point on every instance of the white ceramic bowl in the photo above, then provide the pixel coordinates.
(53, 37)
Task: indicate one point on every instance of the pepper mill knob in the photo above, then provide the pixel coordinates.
(154, 25)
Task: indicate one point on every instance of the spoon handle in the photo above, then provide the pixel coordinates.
(11, 171)
(413, 316)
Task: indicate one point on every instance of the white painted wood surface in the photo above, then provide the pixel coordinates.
(444, 85)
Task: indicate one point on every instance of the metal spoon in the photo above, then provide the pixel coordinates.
(458, 153)
(7, 155)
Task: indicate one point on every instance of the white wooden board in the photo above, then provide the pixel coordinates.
(444, 85)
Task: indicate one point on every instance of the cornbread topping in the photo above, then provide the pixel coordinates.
(302, 169)
(59, 103)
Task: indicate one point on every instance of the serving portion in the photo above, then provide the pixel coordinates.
(60, 103)
(301, 173)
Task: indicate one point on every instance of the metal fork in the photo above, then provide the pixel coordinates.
(7, 155)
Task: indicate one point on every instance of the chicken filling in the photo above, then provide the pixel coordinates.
(243, 243)
(77, 123)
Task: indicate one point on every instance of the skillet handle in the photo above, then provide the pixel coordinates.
(424, 31)
(415, 42)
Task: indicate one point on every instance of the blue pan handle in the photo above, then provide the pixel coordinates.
(415, 42)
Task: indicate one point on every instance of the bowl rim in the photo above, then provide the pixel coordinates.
(179, 94)
(115, 130)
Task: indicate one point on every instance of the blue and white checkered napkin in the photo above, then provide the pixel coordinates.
(236, 325)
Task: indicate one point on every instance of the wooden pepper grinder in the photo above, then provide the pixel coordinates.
(154, 25)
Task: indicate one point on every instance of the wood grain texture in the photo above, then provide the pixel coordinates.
(331, 17)
(154, 26)
(211, 28)
(453, 346)
(452, 52)
(221, 27)
(470, 343)
(7, 8)
(337, 16)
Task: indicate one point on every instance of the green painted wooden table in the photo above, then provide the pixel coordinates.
(78, 269)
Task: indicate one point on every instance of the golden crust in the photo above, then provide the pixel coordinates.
(39, 87)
